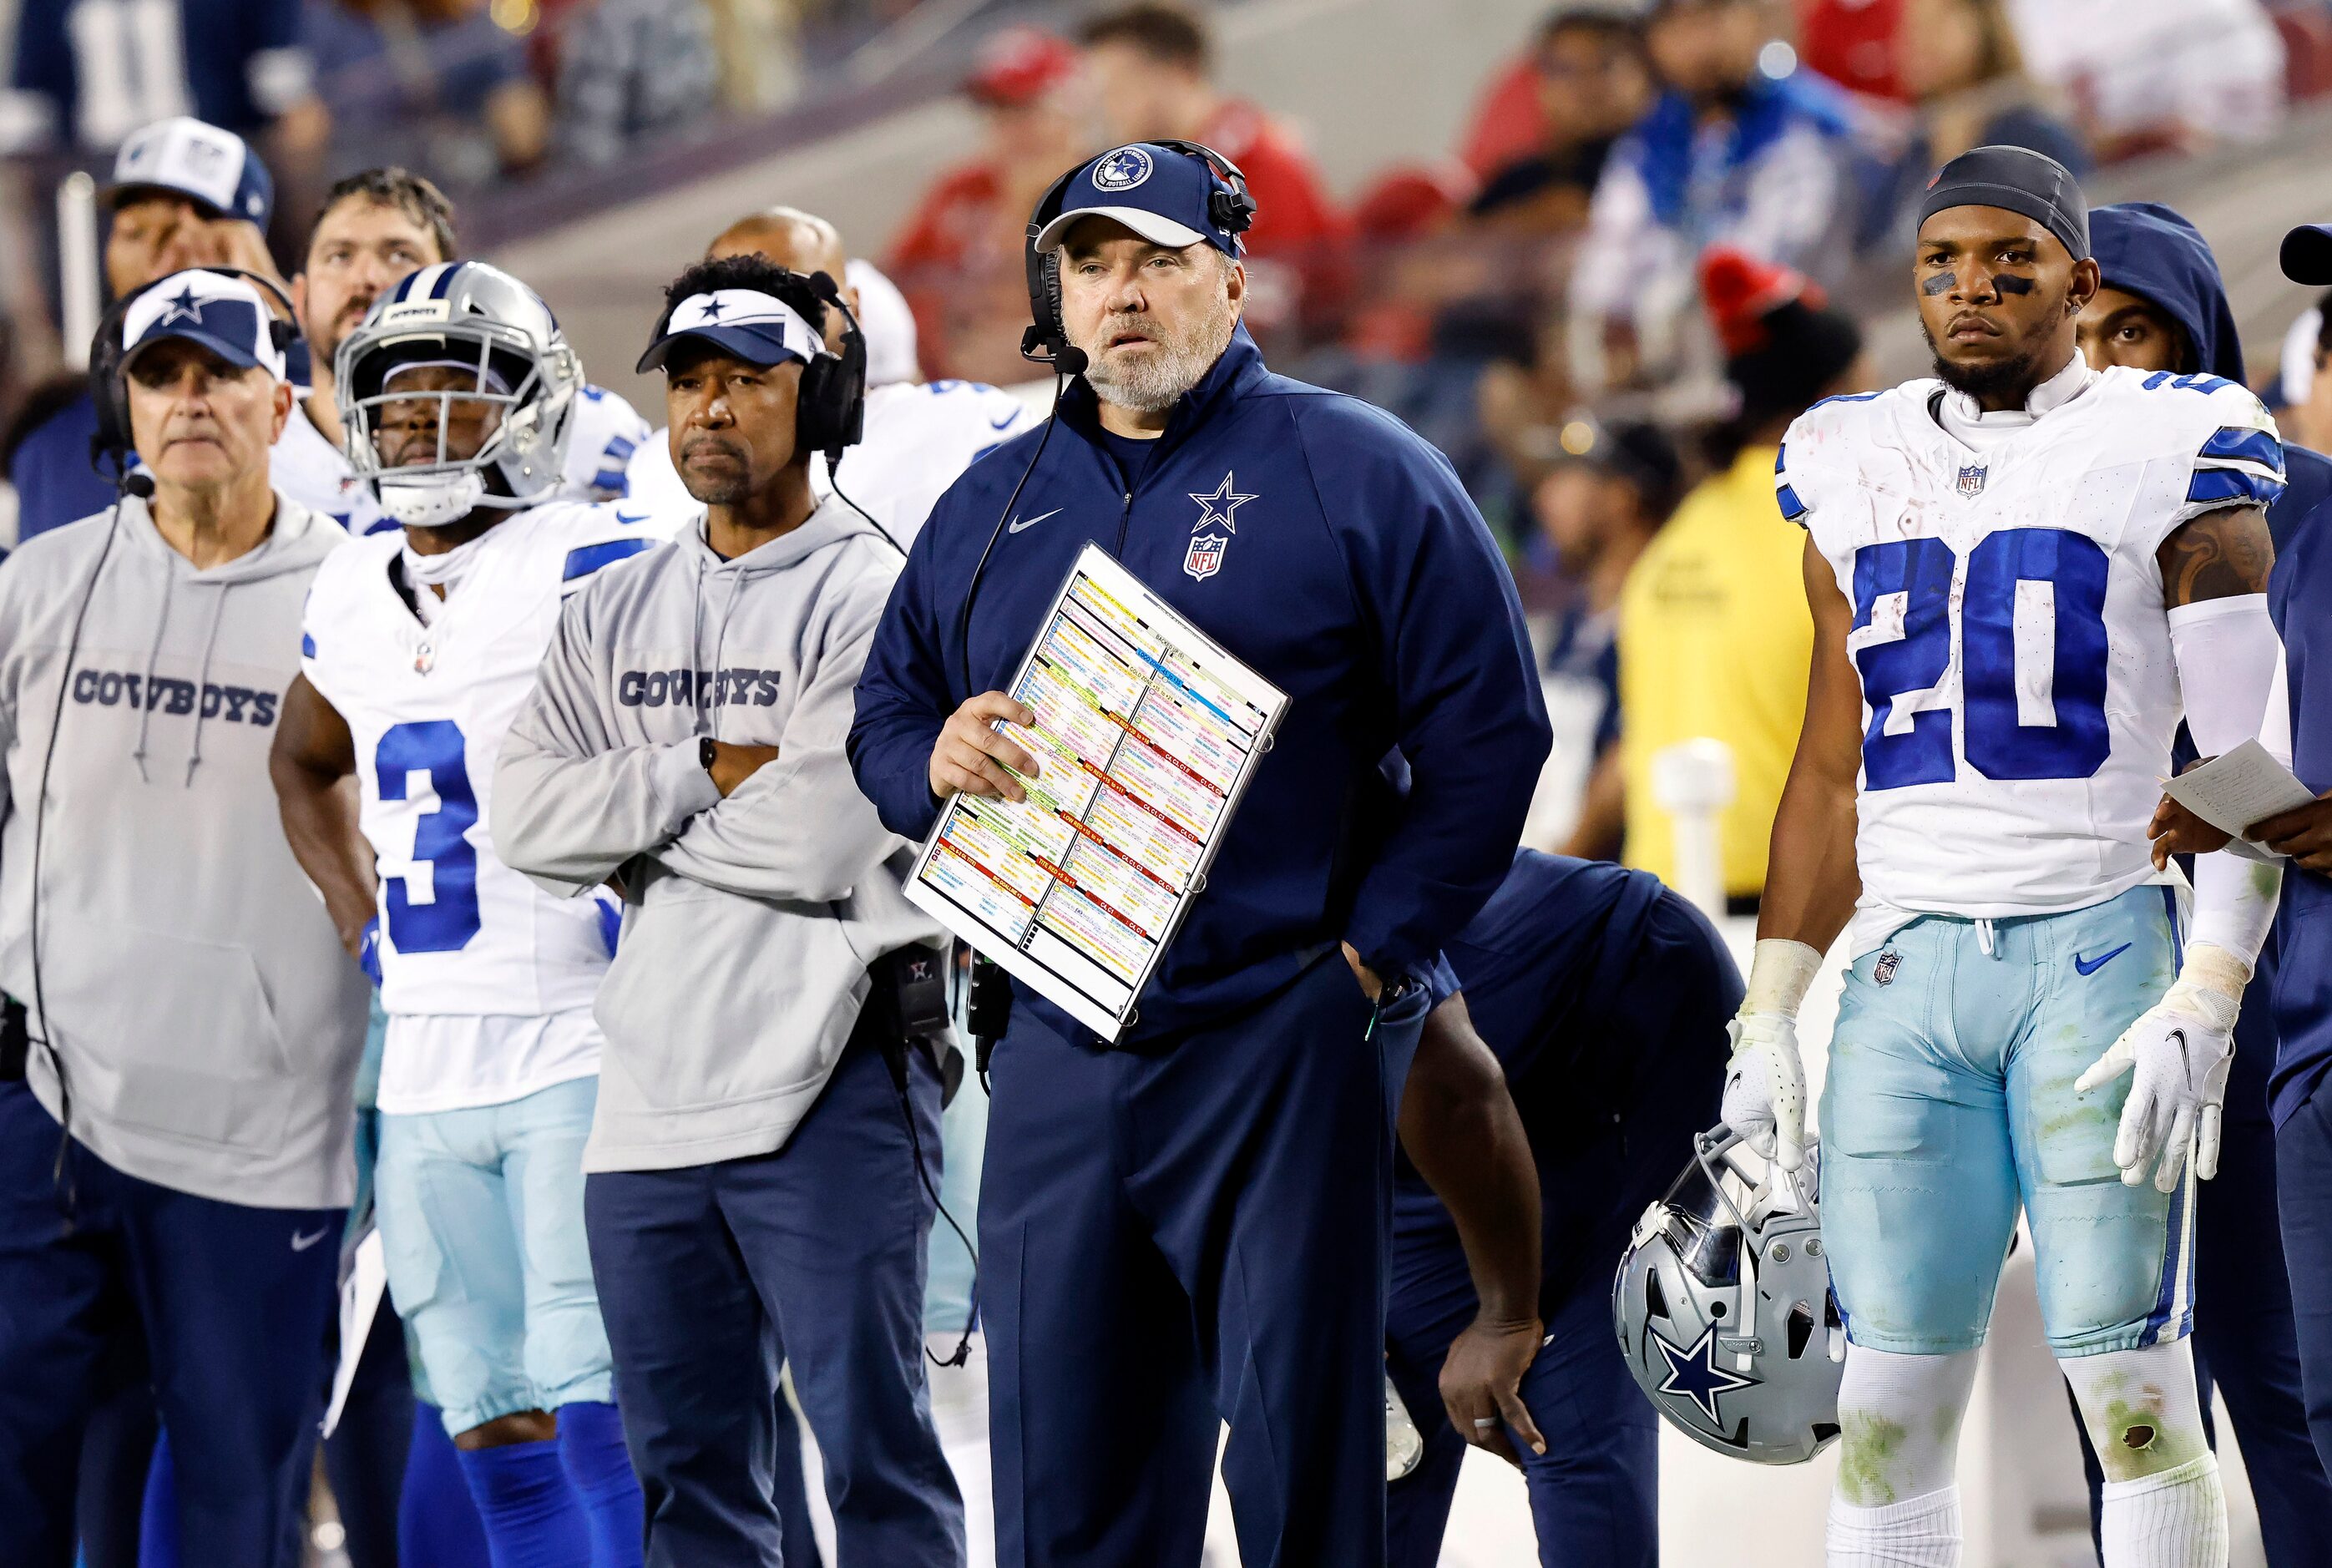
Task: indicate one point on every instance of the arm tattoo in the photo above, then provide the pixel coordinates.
(2216, 556)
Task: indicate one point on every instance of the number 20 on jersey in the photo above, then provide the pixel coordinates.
(2038, 573)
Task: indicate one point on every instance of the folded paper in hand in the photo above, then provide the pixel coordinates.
(2243, 786)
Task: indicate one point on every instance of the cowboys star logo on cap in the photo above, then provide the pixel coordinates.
(218, 311)
(757, 328)
(1122, 170)
(182, 307)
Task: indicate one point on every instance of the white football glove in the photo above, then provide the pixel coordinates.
(1765, 1088)
(2180, 1051)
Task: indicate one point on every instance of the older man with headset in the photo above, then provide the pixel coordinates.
(1192, 1226)
(180, 1027)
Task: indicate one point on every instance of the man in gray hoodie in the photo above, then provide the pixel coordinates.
(763, 1162)
(180, 1027)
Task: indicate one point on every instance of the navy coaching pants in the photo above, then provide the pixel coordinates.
(233, 1303)
(2303, 1155)
(1624, 1131)
(2246, 1330)
(1178, 1235)
(704, 1270)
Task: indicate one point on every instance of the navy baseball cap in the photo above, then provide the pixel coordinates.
(2307, 254)
(215, 168)
(745, 323)
(216, 310)
(1161, 195)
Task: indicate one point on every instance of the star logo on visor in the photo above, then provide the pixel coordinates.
(184, 307)
(1695, 1374)
(712, 311)
(1216, 509)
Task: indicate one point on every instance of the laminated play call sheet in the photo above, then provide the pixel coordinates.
(1146, 734)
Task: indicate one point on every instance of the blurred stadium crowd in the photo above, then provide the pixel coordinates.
(1636, 264)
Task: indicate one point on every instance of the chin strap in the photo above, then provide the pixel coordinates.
(431, 501)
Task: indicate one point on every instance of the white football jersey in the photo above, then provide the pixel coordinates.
(602, 435)
(314, 472)
(920, 436)
(428, 706)
(603, 432)
(2020, 694)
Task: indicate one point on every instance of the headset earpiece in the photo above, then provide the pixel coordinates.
(1229, 207)
(112, 438)
(831, 407)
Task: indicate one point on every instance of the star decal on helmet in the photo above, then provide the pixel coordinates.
(1695, 1374)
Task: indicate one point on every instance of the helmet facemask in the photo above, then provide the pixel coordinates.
(472, 383)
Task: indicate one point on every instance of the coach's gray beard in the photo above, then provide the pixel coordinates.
(1157, 382)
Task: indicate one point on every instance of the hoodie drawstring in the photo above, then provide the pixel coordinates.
(203, 682)
(696, 641)
(720, 644)
(146, 691)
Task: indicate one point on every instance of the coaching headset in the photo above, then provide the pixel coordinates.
(112, 441)
(112, 401)
(830, 409)
(1230, 208)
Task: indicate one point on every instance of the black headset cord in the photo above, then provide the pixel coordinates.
(896, 1060)
(1068, 363)
(60, 1174)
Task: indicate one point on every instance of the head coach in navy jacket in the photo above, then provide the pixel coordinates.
(1193, 1224)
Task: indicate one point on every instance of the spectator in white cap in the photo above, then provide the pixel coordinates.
(179, 1028)
(184, 194)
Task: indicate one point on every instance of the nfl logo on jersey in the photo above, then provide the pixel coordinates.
(1972, 481)
(1205, 557)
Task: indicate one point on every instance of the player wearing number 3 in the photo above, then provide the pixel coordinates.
(2021, 575)
(420, 648)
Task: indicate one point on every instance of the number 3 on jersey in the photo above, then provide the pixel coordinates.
(449, 918)
(2037, 592)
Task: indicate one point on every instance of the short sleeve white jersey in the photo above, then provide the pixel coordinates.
(602, 436)
(919, 437)
(2018, 690)
(311, 471)
(428, 706)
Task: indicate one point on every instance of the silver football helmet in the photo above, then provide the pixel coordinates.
(508, 356)
(1724, 1311)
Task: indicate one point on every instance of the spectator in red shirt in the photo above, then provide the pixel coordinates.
(1152, 62)
(958, 256)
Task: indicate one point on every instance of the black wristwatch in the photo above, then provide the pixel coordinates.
(705, 752)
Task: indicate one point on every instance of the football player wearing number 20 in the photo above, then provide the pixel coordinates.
(458, 393)
(2022, 574)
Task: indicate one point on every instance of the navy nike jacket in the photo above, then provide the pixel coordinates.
(1353, 572)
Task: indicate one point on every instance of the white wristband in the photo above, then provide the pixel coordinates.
(1781, 972)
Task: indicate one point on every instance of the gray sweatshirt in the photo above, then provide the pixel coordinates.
(208, 1021)
(749, 921)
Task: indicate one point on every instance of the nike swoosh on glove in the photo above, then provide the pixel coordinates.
(2179, 1052)
(1765, 1088)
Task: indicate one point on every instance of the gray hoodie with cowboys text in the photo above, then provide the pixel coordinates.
(749, 922)
(207, 1022)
